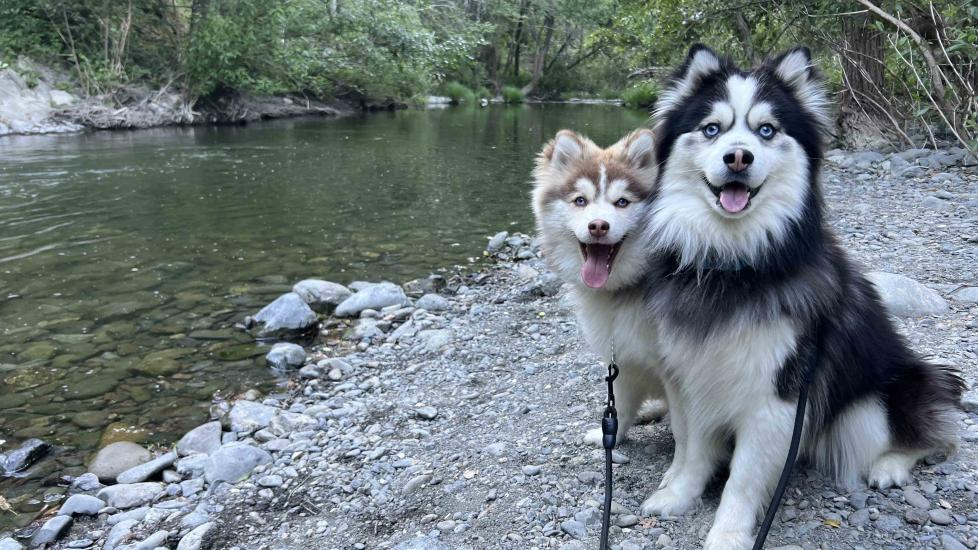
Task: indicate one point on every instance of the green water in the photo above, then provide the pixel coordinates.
(126, 257)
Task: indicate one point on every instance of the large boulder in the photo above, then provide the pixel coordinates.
(115, 458)
(247, 416)
(287, 314)
(234, 462)
(905, 297)
(374, 296)
(322, 296)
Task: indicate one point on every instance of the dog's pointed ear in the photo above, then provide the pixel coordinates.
(700, 61)
(639, 149)
(795, 68)
(566, 148)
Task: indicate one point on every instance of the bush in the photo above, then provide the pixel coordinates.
(512, 94)
(458, 92)
(483, 93)
(642, 94)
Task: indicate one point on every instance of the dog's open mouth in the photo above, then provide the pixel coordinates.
(734, 197)
(598, 259)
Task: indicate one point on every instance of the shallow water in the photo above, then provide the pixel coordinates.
(126, 257)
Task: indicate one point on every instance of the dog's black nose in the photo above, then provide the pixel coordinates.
(738, 160)
(598, 228)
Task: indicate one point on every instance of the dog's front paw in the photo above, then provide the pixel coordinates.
(667, 502)
(728, 540)
(889, 471)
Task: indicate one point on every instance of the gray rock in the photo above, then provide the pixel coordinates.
(81, 504)
(194, 519)
(365, 329)
(130, 495)
(427, 413)
(10, 544)
(287, 314)
(85, 483)
(247, 416)
(435, 340)
(192, 466)
(905, 297)
(916, 499)
(859, 517)
(28, 453)
(889, 523)
(115, 458)
(285, 355)
(626, 520)
(934, 203)
(969, 401)
(951, 543)
(415, 483)
(272, 480)
(155, 540)
(966, 295)
(375, 296)
(497, 241)
(234, 462)
(204, 439)
(191, 486)
(531, 470)
(912, 172)
(322, 296)
(119, 533)
(195, 538)
(148, 469)
(137, 514)
(432, 302)
(285, 423)
(51, 530)
(914, 154)
(574, 528)
(940, 516)
(421, 543)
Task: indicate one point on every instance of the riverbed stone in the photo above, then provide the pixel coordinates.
(287, 314)
(285, 355)
(115, 458)
(51, 530)
(966, 295)
(10, 544)
(204, 439)
(81, 504)
(119, 533)
(24, 456)
(905, 297)
(432, 302)
(374, 296)
(422, 543)
(497, 241)
(195, 538)
(85, 483)
(247, 416)
(285, 423)
(322, 296)
(130, 495)
(147, 470)
(234, 462)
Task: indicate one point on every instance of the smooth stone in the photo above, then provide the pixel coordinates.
(415, 483)
(10, 544)
(916, 499)
(859, 517)
(234, 462)
(51, 530)
(195, 538)
(421, 543)
(247, 416)
(84, 483)
(285, 423)
(130, 495)
(531, 470)
(115, 458)
(375, 296)
(193, 465)
(285, 355)
(288, 313)
(426, 413)
(119, 533)
(905, 297)
(137, 514)
(574, 528)
(435, 340)
(432, 302)
(940, 516)
(951, 543)
(934, 203)
(966, 295)
(204, 439)
(627, 520)
(151, 542)
(322, 296)
(81, 504)
(497, 241)
(148, 469)
(24, 456)
(272, 480)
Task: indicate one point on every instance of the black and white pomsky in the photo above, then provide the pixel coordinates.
(748, 286)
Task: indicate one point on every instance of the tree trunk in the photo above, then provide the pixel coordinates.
(862, 65)
(198, 9)
(541, 57)
(518, 40)
(743, 32)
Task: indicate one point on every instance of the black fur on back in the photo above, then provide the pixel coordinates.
(808, 278)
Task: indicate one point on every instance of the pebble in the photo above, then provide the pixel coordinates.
(940, 516)
(531, 470)
(426, 413)
(81, 504)
(574, 528)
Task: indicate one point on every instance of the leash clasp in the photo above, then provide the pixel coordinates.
(609, 422)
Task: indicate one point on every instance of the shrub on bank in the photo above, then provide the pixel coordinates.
(642, 94)
(512, 94)
(458, 92)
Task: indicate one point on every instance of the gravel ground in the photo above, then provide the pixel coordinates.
(457, 423)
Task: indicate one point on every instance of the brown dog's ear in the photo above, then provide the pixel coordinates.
(565, 149)
(639, 149)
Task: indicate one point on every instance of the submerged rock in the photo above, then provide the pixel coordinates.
(287, 314)
(115, 458)
(28, 453)
(905, 297)
(374, 296)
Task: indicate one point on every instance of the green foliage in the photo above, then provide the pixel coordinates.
(458, 92)
(642, 94)
(512, 94)
(483, 93)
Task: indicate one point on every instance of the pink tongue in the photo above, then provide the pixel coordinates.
(734, 197)
(595, 271)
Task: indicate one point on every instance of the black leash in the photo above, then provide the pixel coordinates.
(609, 427)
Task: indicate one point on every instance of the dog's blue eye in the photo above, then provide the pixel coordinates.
(622, 203)
(580, 201)
(766, 131)
(711, 130)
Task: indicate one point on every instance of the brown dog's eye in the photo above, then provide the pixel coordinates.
(622, 202)
(580, 201)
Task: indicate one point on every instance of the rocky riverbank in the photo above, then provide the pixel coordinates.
(36, 99)
(449, 412)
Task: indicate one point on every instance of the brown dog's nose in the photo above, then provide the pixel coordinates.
(598, 228)
(738, 160)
